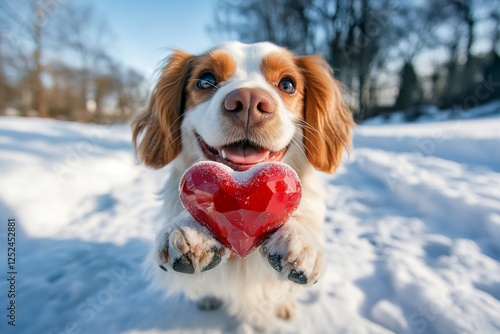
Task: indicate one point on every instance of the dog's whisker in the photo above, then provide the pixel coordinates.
(192, 134)
(180, 136)
(174, 123)
(175, 139)
(311, 142)
(188, 136)
(170, 132)
(315, 132)
(296, 142)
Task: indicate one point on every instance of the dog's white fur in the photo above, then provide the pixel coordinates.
(250, 287)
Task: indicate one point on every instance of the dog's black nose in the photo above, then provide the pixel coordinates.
(249, 106)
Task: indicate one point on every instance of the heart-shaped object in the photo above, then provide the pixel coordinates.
(240, 208)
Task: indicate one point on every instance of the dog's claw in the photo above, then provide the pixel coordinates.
(183, 264)
(215, 260)
(297, 277)
(275, 262)
(164, 256)
(263, 250)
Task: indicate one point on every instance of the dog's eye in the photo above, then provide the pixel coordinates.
(286, 85)
(206, 81)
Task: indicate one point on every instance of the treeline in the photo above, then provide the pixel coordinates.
(389, 54)
(57, 60)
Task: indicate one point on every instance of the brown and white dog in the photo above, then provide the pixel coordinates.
(241, 105)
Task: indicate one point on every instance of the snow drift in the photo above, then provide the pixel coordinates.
(413, 233)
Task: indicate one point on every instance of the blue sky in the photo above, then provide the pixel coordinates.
(145, 30)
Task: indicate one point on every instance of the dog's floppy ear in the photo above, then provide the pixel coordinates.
(328, 119)
(156, 132)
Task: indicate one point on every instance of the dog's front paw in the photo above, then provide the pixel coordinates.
(187, 247)
(295, 254)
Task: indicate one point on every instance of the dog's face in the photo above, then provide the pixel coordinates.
(242, 105)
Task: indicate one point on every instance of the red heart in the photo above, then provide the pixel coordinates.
(240, 208)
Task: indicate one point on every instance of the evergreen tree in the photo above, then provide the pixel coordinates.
(410, 93)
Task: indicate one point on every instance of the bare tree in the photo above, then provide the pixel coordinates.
(27, 27)
(348, 39)
(38, 90)
(132, 93)
(63, 94)
(37, 38)
(83, 33)
(283, 22)
(464, 68)
(3, 83)
(373, 43)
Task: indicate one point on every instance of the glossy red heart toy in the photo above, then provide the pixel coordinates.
(241, 209)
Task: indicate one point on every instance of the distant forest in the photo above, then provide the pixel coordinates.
(389, 54)
(54, 62)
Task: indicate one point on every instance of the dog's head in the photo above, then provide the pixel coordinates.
(242, 105)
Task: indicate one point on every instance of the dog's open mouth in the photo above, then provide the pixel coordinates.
(240, 155)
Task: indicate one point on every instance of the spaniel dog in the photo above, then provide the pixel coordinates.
(241, 105)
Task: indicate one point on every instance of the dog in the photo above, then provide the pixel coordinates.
(242, 105)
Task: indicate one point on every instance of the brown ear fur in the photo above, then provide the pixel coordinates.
(160, 123)
(328, 119)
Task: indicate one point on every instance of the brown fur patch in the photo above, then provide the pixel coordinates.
(276, 66)
(328, 120)
(156, 132)
(218, 62)
(286, 311)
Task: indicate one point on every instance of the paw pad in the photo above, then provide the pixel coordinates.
(297, 277)
(183, 264)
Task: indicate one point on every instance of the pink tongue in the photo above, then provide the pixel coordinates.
(246, 155)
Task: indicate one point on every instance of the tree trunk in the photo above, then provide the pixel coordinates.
(3, 102)
(82, 110)
(452, 79)
(38, 91)
(364, 56)
(468, 81)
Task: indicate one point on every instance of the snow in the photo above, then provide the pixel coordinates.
(413, 233)
(430, 113)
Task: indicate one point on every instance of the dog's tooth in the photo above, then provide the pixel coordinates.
(223, 153)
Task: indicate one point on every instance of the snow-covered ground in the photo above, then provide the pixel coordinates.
(413, 234)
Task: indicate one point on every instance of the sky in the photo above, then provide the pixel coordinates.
(144, 31)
